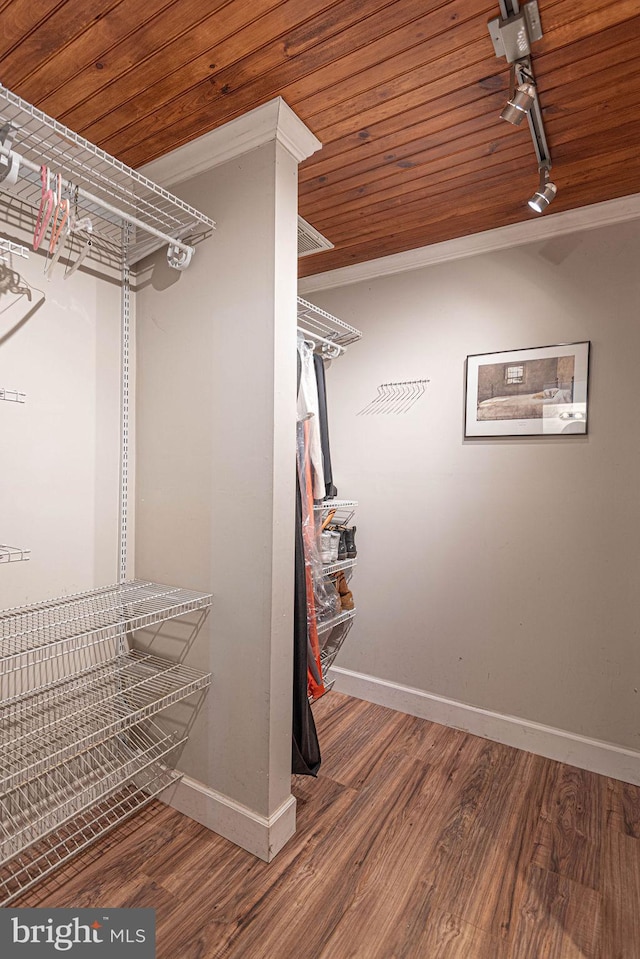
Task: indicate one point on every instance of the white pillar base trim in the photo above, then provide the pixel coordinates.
(261, 835)
(595, 755)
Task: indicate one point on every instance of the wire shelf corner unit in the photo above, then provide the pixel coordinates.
(109, 192)
(79, 749)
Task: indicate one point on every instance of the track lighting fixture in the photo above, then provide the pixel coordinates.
(545, 192)
(521, 99)
(513, 33)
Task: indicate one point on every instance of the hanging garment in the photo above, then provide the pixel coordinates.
(308, 409)
(311, 559)
(305, 759)
(330, 489)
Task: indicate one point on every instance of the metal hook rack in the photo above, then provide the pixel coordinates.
(112, 193)
(396, 397)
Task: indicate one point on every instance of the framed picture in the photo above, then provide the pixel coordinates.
(530, 392)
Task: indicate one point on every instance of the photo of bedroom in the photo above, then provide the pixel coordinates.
(524, 389)
(531, 392)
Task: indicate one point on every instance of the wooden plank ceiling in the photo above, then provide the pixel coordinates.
(404, 94)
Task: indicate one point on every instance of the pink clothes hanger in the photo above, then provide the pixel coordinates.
(46, 208)
(60, 215)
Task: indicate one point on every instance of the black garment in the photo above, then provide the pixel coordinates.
(305, 752)
(324, 425)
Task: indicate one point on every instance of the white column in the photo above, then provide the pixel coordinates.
(215, 463)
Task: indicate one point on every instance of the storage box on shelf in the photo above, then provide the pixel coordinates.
(78, 749)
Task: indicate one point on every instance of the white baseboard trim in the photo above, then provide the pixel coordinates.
(261, 835)
(593, 754)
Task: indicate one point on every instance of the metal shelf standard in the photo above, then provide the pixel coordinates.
(34, 634)
(107, 190)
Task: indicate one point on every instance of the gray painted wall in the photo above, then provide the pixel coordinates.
(59, 479)
(500, 573)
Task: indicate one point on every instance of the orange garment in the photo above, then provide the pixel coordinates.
(309, 536)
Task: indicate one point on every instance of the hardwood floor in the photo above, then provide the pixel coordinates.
(415, 842)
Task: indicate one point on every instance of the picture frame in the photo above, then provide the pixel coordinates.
(537, 391)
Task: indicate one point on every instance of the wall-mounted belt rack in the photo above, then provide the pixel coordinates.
(106, 190)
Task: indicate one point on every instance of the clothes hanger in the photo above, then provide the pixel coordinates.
(81, 226)
(46, 207)
(59, 227)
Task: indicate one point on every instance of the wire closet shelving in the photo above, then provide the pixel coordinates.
(79, 749)
(330, 335)
(103, 188)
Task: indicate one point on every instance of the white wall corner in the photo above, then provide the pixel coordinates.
(515, 234)
(274, 120)
(263, 836)
(563, 746)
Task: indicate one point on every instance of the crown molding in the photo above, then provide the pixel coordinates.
(516, 234)
(274, 120)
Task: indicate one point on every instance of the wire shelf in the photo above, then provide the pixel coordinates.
(325, 326)
(43, 729)
(37, 807)
(33, 634)
(118, 193)
(13, 554)
(47, 855)
(343, 617)
(12, 396)
(9, 248)
(329, 568)
(336, 504)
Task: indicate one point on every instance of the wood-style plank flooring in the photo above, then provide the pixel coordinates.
(415, 842)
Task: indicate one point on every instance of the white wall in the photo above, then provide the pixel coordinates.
(59, 452)
(498, 573)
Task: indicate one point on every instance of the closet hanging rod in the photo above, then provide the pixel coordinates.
(328, 346)
(103, 204)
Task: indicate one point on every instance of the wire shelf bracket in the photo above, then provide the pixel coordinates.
(13, 554)
(107, 190)
(12, 396)
(9, 248)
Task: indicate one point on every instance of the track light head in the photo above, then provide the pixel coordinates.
(545, 192)
(519, 104)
